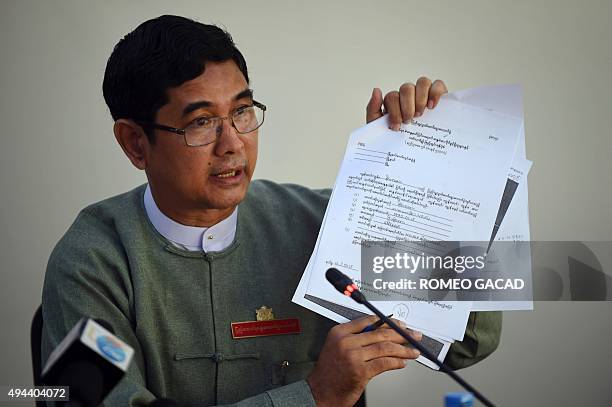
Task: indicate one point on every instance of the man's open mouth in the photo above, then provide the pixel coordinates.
(229, 174)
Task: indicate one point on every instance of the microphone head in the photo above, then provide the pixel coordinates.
(105, 325)
(86, 380)
(344, 284)
(90, 360)
(338, 279)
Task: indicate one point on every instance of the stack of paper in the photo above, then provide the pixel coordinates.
(441, 177)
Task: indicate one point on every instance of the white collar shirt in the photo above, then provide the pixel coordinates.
(193, 238)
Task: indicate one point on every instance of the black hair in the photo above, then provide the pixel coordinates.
(160, 54)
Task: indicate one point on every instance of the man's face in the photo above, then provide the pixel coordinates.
(189, 180)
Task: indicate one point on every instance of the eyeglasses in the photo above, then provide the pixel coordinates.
(205, 130)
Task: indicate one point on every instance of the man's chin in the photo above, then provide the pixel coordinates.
(227, 198)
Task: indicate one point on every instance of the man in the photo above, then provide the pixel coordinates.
(172, 264)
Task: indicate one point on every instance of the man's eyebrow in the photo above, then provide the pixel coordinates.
(247, 93)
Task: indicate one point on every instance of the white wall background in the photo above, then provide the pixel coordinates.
(314, 64)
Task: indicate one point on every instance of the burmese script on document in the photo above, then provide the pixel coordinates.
(450, 175)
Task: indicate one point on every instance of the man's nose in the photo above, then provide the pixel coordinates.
(228, 139)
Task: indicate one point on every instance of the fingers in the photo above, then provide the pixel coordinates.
(437, 89)
(422, 95)
(356, 325)
(392, 107)
(388, 349)
(347, 365)
(407, 103)
(407, 98)
(384, 335)
(374, 107)
(384, 364)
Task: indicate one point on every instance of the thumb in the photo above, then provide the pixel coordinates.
(374, 107)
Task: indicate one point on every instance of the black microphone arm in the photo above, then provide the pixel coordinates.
(347, 287)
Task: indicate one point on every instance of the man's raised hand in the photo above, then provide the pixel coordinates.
(406, 103)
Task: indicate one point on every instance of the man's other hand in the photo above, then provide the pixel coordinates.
(349, 359)
(406, 103)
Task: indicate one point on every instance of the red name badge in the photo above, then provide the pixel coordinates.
(253, 329)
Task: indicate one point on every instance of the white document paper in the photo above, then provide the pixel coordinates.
(434, 343)
(507, 99)
(439, 178)
(371, 156)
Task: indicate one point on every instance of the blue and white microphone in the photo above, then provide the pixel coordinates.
(90, 360)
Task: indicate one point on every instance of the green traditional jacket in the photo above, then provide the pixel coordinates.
(175, 307)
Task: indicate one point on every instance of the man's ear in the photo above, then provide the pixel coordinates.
(133, 141)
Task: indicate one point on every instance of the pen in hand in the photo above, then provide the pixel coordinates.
(375, 325)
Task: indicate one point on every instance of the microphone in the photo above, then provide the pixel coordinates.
(346, 286)
(90, 360)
